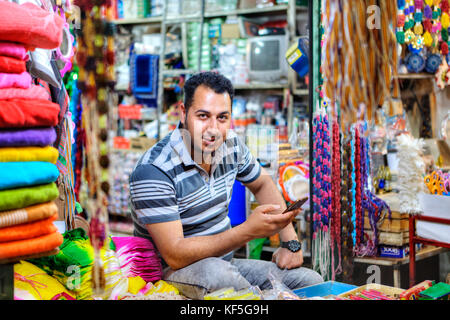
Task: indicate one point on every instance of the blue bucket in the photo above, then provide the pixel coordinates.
(237, 206)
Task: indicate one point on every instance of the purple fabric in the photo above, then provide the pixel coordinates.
(27, 137)
(138, 257)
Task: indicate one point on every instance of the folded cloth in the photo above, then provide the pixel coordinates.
(24, 174)
(28, 214)
(12, 80)
(34, 92)
(12, 65)
(31, 25)
(138, 257)
(15, 50)
(24, 197)
(27, 137)
(32, 283)
(23, 154)
(28, 230)
(21, 113)
(35, 245)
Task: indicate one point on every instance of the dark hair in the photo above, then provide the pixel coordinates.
(213, 80)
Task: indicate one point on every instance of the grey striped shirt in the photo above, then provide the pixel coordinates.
(167, 185)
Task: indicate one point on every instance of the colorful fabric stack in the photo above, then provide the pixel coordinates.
(138, 257)
(72, 266)
(27, 118)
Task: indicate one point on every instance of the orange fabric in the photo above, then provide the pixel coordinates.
(28, 230)
(11, 65)
(30, 246)
(28, 214)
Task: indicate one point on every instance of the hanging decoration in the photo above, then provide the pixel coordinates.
(359, 64)
(336, 201)
(423, 34)
(321, 192)
(95, 58)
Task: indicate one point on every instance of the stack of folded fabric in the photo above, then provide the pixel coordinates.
(138, 257)
(27, 119)
(72, 266)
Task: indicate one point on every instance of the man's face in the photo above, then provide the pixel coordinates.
(207, 120)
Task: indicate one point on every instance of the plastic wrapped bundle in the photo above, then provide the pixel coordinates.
(138, 257)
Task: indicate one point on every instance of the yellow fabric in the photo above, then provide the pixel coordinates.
(23, 154)
(162, 287)
(445, 20)
(135, 284)
(32, 283)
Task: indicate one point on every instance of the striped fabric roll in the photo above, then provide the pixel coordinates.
(28, 214)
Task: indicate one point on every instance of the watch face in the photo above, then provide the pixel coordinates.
(294, 246)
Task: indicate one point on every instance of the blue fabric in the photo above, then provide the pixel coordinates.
(24, 174)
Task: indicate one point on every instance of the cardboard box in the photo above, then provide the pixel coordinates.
(393, 252)
(391, 238)
(393, 225)
(230, 31)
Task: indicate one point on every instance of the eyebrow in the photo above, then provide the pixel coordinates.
(207, 112)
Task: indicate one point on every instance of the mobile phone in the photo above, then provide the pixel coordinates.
(296, 205)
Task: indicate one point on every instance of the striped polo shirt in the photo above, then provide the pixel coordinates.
(167, 185)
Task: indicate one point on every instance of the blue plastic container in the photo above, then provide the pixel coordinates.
(324, 289)
(236, 208)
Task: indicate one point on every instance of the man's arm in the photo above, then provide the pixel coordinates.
(179, 251)
(266, 191)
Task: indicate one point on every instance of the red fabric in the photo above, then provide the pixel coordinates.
(30, 25)
(11, 65)
(21, 113)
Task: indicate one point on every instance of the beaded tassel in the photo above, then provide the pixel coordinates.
(336, 201)
(321, 194)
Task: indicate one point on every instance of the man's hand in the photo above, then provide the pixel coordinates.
(263, 223)
(286, 259)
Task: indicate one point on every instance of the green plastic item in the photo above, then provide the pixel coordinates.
(440, 291)
(255, 248)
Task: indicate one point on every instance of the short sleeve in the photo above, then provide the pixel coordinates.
(152, 195)
(249, 168)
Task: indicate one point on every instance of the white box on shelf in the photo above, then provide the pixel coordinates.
(434, 206)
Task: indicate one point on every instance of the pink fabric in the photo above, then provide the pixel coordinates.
(138, 257)
(33, 92)
(31, 25)
(10, 80)
(14, 50)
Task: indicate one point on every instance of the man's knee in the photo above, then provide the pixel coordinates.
(205, 276)
(302, 277)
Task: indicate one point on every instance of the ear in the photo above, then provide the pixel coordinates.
(182, 113)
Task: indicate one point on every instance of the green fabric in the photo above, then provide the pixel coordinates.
(75, 250)
(438, 291)
(23, 197)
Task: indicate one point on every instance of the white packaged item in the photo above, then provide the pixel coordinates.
(434, 206)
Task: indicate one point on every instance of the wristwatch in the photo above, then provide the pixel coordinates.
(292, 245)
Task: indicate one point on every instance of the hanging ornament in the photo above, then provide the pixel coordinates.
(96, 78)
(433, 62)
(415, 63)
(401, 22)
(418, 17)
(409, 15)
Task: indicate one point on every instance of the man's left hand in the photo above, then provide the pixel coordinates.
(286, 259)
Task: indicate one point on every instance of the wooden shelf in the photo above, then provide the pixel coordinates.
(250, 11)
(415, 76)
(149, 20)
(255, 86)
(187, 18)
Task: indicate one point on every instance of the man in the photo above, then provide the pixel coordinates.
(180, 190)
